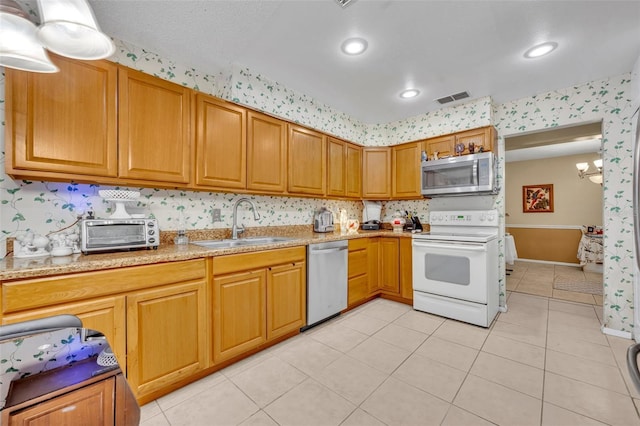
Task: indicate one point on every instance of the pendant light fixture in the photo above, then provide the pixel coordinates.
(70, 29)
(19, 47)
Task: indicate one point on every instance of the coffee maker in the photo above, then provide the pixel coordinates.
(371, 215)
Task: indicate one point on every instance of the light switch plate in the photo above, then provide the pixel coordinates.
(215, 215)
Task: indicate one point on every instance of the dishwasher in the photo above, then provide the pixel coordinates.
(326, 281)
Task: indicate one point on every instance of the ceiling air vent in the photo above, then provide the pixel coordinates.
(344, 3)
(451, 98)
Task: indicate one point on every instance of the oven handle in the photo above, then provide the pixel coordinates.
(467, 247)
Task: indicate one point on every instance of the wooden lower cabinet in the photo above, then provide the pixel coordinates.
(406, 268)
(166, 335)
(389, 257)
(358, 271)
(238, 313)
(379, 265)
(286, 299)
(92, 405)
(257, 297)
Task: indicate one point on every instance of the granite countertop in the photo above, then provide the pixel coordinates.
(19, 268)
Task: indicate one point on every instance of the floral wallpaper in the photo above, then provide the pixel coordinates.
(607, 101)
(25, 356)
(44, 207)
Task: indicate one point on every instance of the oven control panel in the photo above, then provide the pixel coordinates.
(464, 218)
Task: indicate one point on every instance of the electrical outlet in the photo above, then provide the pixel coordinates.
(215, 213)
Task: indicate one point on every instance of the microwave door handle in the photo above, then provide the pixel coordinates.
(476, 180)
(450, 246)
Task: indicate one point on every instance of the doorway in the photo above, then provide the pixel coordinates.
(558, 243)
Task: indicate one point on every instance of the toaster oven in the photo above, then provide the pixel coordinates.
(100, 235)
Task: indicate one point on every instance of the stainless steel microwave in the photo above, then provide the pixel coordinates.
(473, 174)
(99, 235)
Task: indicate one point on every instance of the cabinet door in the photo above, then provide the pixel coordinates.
(406, 170)
(153, 128)
(354, 171)
(238, 313)
(373, 261)
(63, 122)
(389, 265)
(307, 161)
(443, 145)
(106, 315)
(92, 405)
(479, 137)
(376, 180)
(336, 167)
(406, 269)
(166, 335)
(266, 153)
(358, 268)
(286, 299)
(221, 154)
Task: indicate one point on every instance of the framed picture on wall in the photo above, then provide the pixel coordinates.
(537, 198)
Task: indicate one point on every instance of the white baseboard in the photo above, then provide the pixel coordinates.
(549, 262)
(616, 333)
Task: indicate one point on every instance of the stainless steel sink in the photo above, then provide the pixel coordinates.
(240, 242)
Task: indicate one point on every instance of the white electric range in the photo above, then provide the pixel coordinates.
(455, 266)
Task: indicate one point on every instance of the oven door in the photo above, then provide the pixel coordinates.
(451, 268)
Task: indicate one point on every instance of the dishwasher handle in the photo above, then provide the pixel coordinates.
(327, 250)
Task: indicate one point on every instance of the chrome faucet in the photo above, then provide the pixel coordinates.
(239, 229)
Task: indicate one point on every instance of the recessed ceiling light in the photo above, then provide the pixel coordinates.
(354, 46)
(409, 93)
(541, 50)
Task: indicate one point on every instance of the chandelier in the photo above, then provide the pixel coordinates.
(595, 177)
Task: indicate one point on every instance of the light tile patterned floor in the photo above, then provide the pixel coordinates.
(544, 362)
(537, 278)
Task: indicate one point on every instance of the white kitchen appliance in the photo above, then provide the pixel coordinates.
(455, 266)
(473, 174)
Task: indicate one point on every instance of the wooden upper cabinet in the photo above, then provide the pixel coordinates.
(63, 122)
(344, 169)
(307, 161)
(266, 153)
(336, 167)
(153, 128)
(353, 185)
(443, 145)
(376, 180)
(221, 133)
(406, 170)
(482, 137)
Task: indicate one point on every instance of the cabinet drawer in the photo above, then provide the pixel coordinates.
(358, 263)
(262, 259)
(41, 292)
(358, 289)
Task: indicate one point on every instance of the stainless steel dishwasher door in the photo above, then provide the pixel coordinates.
(326, 280)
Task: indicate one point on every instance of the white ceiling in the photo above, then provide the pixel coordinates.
(439, 47)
